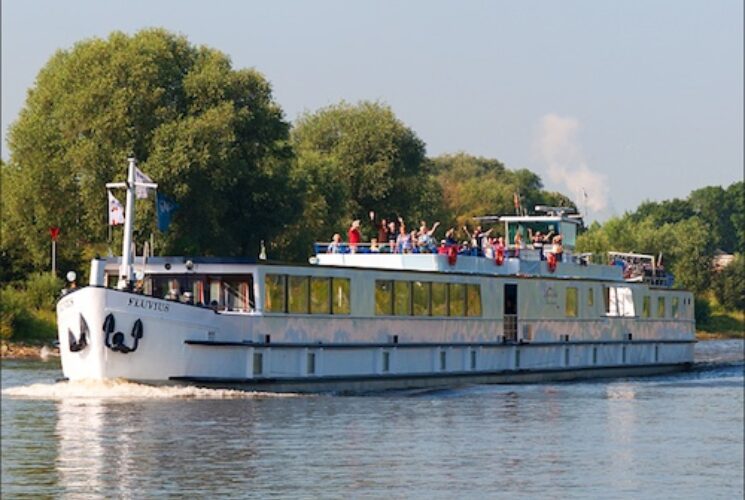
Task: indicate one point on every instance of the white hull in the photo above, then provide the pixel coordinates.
(187, 344)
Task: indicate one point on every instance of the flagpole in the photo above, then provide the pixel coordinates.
(125, 270)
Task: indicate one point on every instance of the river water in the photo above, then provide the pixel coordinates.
(675, 436)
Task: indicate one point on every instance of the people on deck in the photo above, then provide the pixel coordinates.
(374, 248)
(425, 239)
(450, 237)
(391, 236)
(489, 248)
(336, 244)
(404, 242)
(557, 248)
(519, 244)
(354, 236)
(499, 247)
(539, 240)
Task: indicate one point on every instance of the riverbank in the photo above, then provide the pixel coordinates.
(23, 350)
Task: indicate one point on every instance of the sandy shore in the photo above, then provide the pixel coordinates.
(20, 350)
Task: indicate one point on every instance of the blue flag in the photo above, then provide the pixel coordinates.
(165, 208)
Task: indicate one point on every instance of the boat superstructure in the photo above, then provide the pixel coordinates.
(368, 321)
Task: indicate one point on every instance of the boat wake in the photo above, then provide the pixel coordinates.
(118, 389)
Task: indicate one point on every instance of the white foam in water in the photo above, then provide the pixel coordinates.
(121, 389)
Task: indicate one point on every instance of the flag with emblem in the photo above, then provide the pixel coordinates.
(140, 176)
(116, 211)
(165, 208)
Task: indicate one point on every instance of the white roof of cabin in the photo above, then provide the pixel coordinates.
(468, 264)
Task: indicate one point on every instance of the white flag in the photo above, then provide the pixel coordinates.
(116, 211)
(140, 176)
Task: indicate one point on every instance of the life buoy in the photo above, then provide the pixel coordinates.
(499, 256)
(551, 260)
(452, 255)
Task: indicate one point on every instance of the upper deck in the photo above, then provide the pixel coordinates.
(528, 264)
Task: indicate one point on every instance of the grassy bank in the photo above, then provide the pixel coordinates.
(720, 322)
(27, 310)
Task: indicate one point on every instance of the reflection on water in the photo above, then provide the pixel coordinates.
(674, 436)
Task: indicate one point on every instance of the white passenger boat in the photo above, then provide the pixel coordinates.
(371, 321)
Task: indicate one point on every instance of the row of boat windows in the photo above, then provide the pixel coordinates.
(326, 295)
(613, 306)
(661, 308)
(235, 293)
(425, 298)
(306, 294)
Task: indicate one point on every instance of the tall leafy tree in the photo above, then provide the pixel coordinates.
(211, 136)
(353, 159)
(474, 186)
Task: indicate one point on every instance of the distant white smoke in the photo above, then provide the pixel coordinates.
(557, 146)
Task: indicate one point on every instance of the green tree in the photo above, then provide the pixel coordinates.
(736, 231)
(664, 212)
(353, 159)
(212, 137)
(712, 205)
(474, 186)
(729, 285)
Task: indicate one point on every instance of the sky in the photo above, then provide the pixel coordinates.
(611, 102)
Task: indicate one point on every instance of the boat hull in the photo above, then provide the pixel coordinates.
(186, 344)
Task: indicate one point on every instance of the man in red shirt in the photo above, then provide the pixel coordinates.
(354, 236)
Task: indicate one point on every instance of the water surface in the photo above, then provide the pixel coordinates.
(675, 436)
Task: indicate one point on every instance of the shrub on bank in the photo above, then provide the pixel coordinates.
(27, 312)
(702, 311)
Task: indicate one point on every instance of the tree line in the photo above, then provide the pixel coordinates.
(219, 145)
(689, 233)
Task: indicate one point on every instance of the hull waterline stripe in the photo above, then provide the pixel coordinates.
(420, 376)
(410, 345)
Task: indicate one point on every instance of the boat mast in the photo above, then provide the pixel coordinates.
(126, 269)
(126, 273)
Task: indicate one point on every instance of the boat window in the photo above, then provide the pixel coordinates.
(570, 306)
(474, 300)
(340, 303)
(214, 299)
(606, 299)
(646, 306)
(675, 307)
(402, 298)
(320, 295)
(591, 297)
(274, 295)
(298, 294)
(439, 299)
(457, 299)
(660, 307)
(383, 297)
(421, 292)
(620, 301)
(238, 294)
(200, 293)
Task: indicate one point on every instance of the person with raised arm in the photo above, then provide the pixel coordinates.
(426, 241)
(354, 236)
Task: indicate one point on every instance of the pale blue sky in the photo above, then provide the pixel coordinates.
(630, 100)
